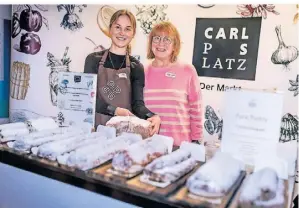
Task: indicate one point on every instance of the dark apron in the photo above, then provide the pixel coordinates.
(114, 87)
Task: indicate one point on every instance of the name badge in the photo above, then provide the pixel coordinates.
(170, 74)
(122, 75)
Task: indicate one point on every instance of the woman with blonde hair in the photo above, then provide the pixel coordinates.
(172, 88)
(120, 76)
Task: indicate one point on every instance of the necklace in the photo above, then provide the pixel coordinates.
(112, 61)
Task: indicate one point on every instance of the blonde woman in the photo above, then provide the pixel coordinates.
(172, 88)
(120, 76)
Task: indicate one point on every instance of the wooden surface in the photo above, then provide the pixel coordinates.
(183, 197)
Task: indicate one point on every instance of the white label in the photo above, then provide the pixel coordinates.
(170, 75)
(250, 123)
(122, 75)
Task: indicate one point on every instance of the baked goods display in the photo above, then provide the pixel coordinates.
(215, 177)
(263, 189)
(130, 124)
(136, 157)
(169, 168)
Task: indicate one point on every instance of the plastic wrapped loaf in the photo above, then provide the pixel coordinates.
(29, 142)
(216, 176)
(262, 189)
(137, 156)
(56, 148)
(130, 124)
(11, 130)
(91, 156)
(41, 124)
(169, 168)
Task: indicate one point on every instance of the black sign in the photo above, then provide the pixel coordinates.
(226, 47)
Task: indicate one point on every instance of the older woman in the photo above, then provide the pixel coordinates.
(172, 88)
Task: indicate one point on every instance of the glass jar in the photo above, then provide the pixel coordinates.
(53, 81)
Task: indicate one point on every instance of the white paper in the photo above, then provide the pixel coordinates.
(251, 120)
(198, 151)
(167, 141)
(76, 99)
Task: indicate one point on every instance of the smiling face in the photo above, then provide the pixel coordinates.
(122, 31)
(162, 46)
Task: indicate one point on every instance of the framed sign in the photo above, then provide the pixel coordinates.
(251, 123)
(226, 47)
(76, 98)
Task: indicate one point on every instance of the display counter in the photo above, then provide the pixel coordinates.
(129, 192)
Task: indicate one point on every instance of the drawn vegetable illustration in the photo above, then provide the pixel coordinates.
(71, 20)
(103, 18)
(96, 47)
(294, 86)
(289, 128)
(256, 10)
(30, 43)
(213, 124)
(284, 54)
(149, 15)
(15, 25)
(206, 6)
(56, 67)
(296, 17)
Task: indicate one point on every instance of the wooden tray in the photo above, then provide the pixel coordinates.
(183, 198)
(235, 203)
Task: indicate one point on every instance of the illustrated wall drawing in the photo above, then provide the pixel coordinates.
(149, 15)
(103, 18)
(19, 80)
(56, 66)
(71, 19)
(284, 54)
(30, 19)
(256, 10)
(289, 128)
(96, 46)
(294, 86)
(213, 123)
(206, 6)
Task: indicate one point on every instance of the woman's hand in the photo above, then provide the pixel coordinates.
(122, 112)
(155, 124)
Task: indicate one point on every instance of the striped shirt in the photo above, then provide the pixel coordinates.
(174, 94)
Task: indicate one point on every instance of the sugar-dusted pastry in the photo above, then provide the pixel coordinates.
(137, 156)
(91, 156)
(262, 189)
(169, 168)
(216, 176)
(130, 124)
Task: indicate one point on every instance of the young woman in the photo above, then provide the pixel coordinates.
(120, 76)
(172, 88)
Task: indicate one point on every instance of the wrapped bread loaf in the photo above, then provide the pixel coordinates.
(262, 189)
(169, 168)
(91, 156)
(137, 156)
(130, 124)
(215, 177)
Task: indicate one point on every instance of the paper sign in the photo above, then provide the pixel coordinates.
(198, 151)
(76, 99)
(168, 141)
(251, 120)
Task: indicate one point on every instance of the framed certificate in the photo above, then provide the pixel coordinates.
(76, 98)
(251, 123)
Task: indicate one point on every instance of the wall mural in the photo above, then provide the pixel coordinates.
(213, 123)
(289, 128)
(97, 47)
(284, 54)
(19, 80)
(56, 65)
(256, 10)
(103, 18)
(31, 21)
(149, 15)
(294, 86)
(71, 20)
(206, 6)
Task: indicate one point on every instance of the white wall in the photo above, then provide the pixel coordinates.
(56, 39)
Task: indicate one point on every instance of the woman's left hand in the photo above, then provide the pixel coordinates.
(155, 124)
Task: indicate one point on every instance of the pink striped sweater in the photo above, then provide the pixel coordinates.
(174, 94)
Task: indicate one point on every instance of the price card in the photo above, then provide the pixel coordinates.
(251, 120)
